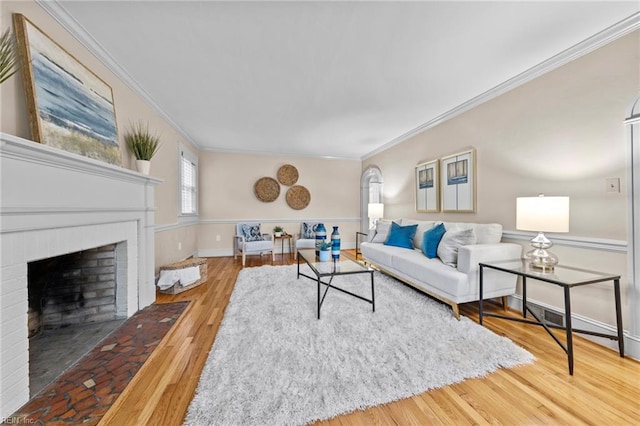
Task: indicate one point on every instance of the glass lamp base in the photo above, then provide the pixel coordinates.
(541, 258)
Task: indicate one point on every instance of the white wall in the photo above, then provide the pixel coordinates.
(560, 134)
(227, 182)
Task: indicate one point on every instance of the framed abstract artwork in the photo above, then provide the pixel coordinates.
(69, 107)
(427, 187)
(458, 180)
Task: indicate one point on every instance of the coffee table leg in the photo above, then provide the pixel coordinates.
(373, 297)
(480, 294)
(318, 297)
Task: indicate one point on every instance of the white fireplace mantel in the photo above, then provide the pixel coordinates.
(51, 203)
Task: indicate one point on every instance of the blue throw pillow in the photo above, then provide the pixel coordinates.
(251, 232)
(308, 230)
(431, 239)
(401, 236)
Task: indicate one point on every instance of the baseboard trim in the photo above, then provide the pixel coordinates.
(631, 343)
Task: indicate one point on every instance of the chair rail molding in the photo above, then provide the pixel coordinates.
(573, 241)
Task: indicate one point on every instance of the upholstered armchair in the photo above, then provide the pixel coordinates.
(250, 240)
(306, 238)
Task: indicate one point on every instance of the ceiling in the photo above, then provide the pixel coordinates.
(323, 79)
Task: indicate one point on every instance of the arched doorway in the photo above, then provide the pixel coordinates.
(371, 185)
(632, 123)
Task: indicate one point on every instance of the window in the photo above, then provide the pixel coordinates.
(188, 182)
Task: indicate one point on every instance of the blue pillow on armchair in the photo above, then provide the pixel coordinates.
(251, 233)
(401, 236)
(431, 239)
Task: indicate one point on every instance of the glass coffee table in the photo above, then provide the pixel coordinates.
(331, 269)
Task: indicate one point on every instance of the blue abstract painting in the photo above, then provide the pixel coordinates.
(73, 107)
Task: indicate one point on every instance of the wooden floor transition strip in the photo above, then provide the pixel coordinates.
(84, 392)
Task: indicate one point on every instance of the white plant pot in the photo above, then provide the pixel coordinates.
(278, 234)
(324, 255)
(143, 166)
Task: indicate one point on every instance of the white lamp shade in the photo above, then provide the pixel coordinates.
(375, 210)
(542, 214)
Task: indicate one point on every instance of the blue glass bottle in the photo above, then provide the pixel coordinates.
(321, 235)
(335, 243)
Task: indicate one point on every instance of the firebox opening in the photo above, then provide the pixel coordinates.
(72, 305)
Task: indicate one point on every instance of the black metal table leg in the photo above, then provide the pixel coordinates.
(616, 292)
(568, 327)
(318, 297)
(480, 294)
(373, 298)
(524, 297)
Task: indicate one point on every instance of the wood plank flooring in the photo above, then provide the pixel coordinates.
(605, 389)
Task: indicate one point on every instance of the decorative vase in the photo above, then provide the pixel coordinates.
(321, 235)
(335, 243)
(143, 166)
(324, 255)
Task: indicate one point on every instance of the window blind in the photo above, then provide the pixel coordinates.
(188, 191)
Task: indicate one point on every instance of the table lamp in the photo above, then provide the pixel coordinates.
(375, 211)
(542, 214)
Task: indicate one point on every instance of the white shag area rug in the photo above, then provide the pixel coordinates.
(274, 363)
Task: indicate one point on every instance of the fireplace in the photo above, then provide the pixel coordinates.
(53, 204)
(74, 288)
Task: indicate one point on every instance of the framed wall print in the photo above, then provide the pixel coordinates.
(69, 107)
(458, 180)
(427, 187)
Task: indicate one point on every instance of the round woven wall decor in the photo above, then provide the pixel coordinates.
(287, 175)
(267, 189)
(298, 197)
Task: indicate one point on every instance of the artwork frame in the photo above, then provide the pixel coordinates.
(69, 106)
(427, 187)
(458, 182)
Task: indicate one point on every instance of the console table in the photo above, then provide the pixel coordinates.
(567, 278)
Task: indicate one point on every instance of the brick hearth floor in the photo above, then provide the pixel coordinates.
(84, 393)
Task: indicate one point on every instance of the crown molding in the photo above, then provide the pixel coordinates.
(594, 42)
(66, 20)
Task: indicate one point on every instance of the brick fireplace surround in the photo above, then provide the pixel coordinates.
(53, 203)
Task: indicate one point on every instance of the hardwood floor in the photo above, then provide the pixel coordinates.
(605, 389)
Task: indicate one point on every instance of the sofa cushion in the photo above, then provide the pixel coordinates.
(431, 239)
(423, 225)
(451, 241)
(381, 231)
(486, 233)
(401, 236)
(448, 281)
(379, 254)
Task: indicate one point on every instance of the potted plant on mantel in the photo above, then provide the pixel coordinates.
(8, 57)
(143, 145)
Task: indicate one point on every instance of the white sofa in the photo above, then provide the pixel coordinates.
(450, 284)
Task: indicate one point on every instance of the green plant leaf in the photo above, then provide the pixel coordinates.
(140, 142)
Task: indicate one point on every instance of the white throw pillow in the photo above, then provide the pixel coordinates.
(451, 242)
(382, 231)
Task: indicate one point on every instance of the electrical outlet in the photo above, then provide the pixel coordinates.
(179, 246)
(217, 237)
(613, 185)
